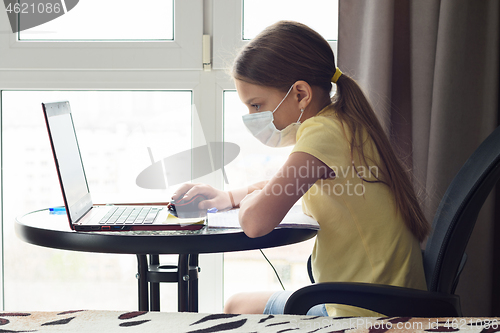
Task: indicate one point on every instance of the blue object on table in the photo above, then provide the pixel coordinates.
(57, 210)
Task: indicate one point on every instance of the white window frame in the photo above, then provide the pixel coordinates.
(125, 65)
(185, 52)
(206, 92)
(62, 65)
(227, 36)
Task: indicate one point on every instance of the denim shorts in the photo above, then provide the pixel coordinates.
(276, 305)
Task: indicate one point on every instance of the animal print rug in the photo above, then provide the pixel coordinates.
(115, 321)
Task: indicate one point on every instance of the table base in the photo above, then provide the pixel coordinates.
(185, 274)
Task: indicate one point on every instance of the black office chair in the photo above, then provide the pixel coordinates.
(443, 258)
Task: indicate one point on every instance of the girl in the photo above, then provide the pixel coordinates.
(342, 166)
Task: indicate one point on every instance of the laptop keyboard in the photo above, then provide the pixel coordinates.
(130, 215)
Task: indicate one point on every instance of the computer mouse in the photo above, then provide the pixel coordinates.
(187, 208)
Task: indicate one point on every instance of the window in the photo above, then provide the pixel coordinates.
(135, 51)
(114, 129)
(89, 20)
(320, 15)
(248, 270)
(232, 31)
(129, 76)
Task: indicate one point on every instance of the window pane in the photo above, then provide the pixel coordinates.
(248, 270)
(106, 20)
(114, 129)
(320, 15)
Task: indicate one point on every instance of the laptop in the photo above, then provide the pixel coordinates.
(82, 214)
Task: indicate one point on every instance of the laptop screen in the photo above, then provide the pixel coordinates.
(68, 160)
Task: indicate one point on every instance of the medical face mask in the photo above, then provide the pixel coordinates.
(261, 125)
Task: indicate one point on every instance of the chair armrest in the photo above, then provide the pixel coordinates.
(389, 300)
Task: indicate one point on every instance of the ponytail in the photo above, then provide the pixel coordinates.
(357, 114)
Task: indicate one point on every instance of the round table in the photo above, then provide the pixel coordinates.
(47, 229)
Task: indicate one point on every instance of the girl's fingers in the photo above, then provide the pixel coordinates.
(191, 193)
(182, 190)
(214, 198)
(207, 191)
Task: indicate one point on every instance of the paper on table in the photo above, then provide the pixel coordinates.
(295, 218)
(227, 219)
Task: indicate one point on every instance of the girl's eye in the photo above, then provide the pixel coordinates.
(256, 107)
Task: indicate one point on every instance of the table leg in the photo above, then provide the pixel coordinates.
(183, 283)
(193, 284)
(142, 277)
(187, 283)
(154, 291)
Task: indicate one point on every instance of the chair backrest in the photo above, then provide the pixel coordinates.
(457, 214)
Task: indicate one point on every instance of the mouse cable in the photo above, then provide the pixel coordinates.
(274, 269)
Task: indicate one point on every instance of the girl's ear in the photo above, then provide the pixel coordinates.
(303, 93)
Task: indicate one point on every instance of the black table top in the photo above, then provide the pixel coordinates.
(51, 230)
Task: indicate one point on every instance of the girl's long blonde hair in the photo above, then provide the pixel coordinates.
(287, 52)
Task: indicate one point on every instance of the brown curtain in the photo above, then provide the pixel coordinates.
(431, 71)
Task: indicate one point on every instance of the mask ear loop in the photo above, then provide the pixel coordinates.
(301, 113)
(283, 98)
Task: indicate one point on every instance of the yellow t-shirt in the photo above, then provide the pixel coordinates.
(363, 237)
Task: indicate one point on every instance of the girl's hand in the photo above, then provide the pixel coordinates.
(215, 198)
